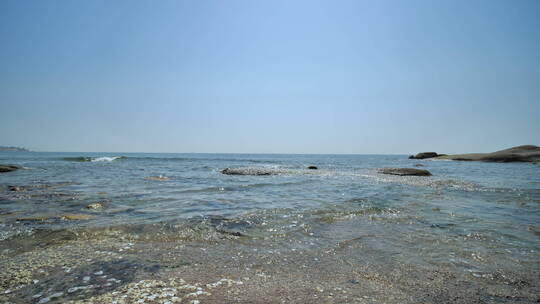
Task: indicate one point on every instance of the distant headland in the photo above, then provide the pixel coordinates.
(526, 153)
(13, 149)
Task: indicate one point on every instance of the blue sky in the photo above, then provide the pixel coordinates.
(270, 76)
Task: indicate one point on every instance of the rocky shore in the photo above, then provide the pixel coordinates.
(526, 153)
(13, 149)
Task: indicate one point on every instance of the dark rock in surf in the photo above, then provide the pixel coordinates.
(16, 188)
(247, 171)
(158, 178)
(405, 171)
(9, 168)
(424, 155)
(418, 165)
(33, 219)
(95, 206)
(312, 168)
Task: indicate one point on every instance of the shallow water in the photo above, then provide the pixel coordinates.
(479, 221)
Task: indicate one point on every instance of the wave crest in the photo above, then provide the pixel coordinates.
(93, 159)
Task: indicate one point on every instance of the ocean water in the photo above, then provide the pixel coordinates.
(478, 220)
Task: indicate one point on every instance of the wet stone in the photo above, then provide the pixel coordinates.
(404, 171)
(158, 178)
(75, 217)
(16, 188)
(8, 168)
(95, 206)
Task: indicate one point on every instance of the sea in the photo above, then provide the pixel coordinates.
(478, 222)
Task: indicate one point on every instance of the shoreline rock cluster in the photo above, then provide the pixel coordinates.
(424, 155)
(13, 149)
(526, 153)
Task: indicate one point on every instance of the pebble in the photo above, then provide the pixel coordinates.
(77, 288)
(49, 298)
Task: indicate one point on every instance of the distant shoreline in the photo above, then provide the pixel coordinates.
(13, 149)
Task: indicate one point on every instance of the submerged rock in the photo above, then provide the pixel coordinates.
(527, 153)
(158, 178)
(418, 165)
(75, 217)
(33, 219)
(312, 168)
(247, 171)
(95, 206)
(69, 216)
(405, 171)
(9, 168)
(424, 155)
(16, 188)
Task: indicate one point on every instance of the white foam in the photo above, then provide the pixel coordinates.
(104, 159)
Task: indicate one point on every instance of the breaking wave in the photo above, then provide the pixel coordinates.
(94, 159)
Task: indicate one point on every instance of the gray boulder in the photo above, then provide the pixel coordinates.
(405, 171)
(424, 155)
(9, 168)
(16, 188)
(95, 206)
(247, 171)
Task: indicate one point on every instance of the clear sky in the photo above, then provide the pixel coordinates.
(270, 76)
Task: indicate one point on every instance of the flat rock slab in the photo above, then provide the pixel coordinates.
(9, 168)
(248, 171)
(405, 171)
(528, 153)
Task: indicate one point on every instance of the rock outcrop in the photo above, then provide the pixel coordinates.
(424, 155)
(8, 168)
(405, 171)
(312, 168)
(527, 153)
(13, 149)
